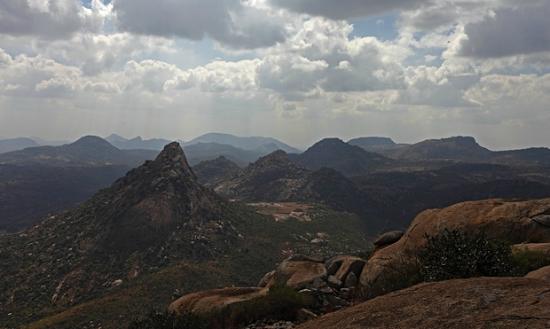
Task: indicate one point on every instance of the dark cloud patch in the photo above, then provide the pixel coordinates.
(344, 9)
(511, 31)
(54, 19)
(227, 21)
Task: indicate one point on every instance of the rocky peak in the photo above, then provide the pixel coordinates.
(173, 159)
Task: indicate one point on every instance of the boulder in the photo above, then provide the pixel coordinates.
(540, 274)
(388, 238)
(504, 303)
(266, 279)
(299, 272)
(206, 302)
(513, 221)
(351, 280)
(342, 266)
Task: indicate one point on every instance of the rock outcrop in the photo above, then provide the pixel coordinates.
(540, 274)
(208, 302)
(505, 303)
(328, 285)
(514, 221)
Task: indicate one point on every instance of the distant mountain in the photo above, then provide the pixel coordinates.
(453, 148)
(208, 151)
(374, 144)
(466, 149)
(87, 151)
(348, 159)
(212, 172)
(15, 144)
(137, 143)
(263, 145)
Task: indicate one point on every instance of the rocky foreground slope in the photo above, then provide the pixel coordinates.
(504, 303)
(491, 302)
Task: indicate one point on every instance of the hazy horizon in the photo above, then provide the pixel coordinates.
(295, 70)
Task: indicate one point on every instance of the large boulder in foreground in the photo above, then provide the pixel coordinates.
(504, 303)
(516, 222)
(211, 301)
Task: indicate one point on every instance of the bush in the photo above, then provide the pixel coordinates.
(454, 254)
(165, 320)
(526, 261)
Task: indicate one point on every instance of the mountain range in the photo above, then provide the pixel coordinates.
(157, 228)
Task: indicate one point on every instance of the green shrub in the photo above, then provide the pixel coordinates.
(525, 261)
(165, 320)
(454, 254)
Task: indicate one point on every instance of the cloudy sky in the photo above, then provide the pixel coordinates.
(298, 70)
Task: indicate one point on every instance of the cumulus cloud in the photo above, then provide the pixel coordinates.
(522, 29)
(231, 22)
(51, 19)
(344, 9)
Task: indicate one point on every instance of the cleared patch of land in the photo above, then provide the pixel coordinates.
(282, 211)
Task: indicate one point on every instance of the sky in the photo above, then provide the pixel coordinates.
(297, 70)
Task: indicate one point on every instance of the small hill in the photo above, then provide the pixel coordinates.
(15, 144)
(348, 159)
(273, 177)
(212, 172)
(87, 151)
(137, 143)
(264, 145)
(453, 148)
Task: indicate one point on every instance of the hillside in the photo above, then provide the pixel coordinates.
(155, 222)
(348, 159)
(28, 193)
